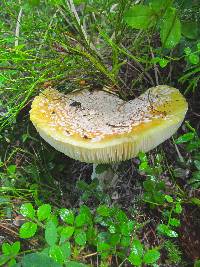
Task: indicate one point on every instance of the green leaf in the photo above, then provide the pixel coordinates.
(56, 253)
(142, 157)
(80, 238)
(190, 29)
(149, 185)
(140, 17)
(27, 230)
(169, 198)
(135, 259)
(163, 62)
(51, 235)
(112, 229)
(165, 230)
(6, 249)
(38, 260)
(11, 169)
(174, 222)
(115, 239)
(125, 241)
(67, 216)
(193, 59)
(4, 259)
(34, 3)
(102, 246)
(197, 164)
(170, 32)
(66, 249)
(159, 5)
(80, 220)
(126, 228)
(151, 256)
(197, 263)
(66, 233)
(27, 210)
(120, 215)
(195, 201)
(12, 263)
(137, 247)
(44, 212)
(185, 138)
(104, 210)
(75, 264)
(187, 51)
(178, 208)
(15, 248)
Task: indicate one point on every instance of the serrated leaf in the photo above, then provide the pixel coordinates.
(151, 256)
(51, 235)
(27, 210)
(27, 230)
(170, 32)
(140, 17)
(44, 212)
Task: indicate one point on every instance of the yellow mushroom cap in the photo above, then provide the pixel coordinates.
(99, 127)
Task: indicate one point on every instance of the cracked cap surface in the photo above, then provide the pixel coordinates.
(98, 127)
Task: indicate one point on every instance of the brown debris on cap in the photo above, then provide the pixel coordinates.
(98, 127)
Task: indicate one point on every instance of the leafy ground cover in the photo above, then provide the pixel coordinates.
(51, 211)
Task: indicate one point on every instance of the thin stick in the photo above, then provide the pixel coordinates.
(18, 26)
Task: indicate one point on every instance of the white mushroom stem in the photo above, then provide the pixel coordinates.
(107, 178)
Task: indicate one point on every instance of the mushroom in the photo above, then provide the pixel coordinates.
(98, 127)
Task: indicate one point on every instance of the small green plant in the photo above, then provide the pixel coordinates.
(155, 195)
(173, 252)
(9, 252)
(192, 70)
(191, 143)
(157, 14)
(67, 233)
(138, 256)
